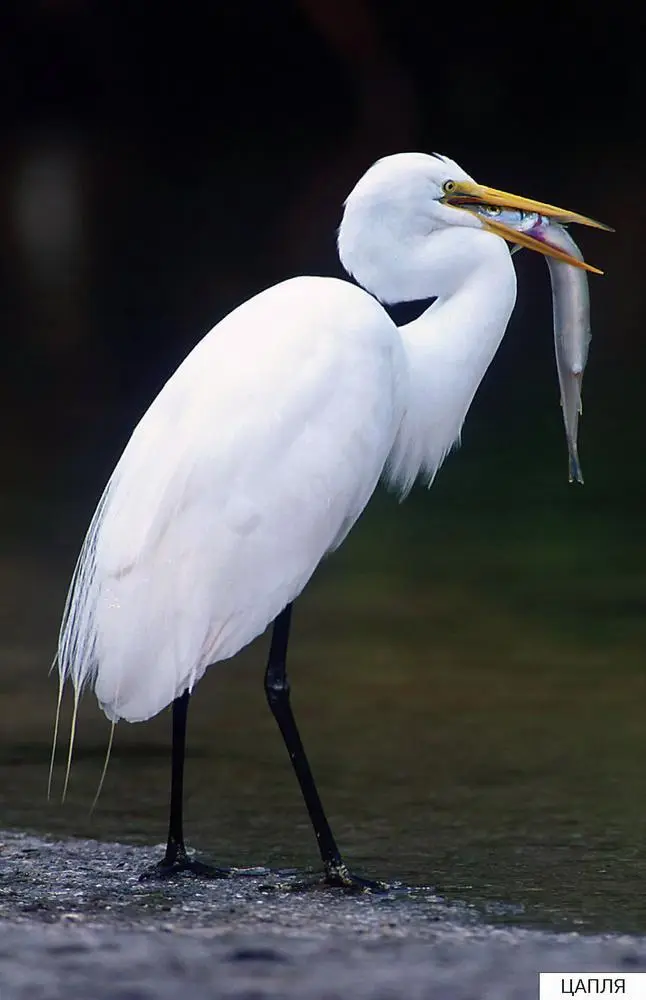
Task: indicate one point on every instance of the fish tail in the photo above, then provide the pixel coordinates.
(575, 474)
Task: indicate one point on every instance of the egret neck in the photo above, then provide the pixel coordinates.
(450, 346)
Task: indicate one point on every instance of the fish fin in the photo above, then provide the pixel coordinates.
(575, 474)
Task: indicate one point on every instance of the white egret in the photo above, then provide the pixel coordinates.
(264, 447)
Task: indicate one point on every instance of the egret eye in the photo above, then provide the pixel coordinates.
(448, 187)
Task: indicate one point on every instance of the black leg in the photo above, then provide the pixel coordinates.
(175, 847)
(277, 691)
(176, 858)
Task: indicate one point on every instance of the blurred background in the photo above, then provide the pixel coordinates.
(468, 671)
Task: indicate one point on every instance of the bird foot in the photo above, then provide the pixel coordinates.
(335, 876)
(339, 876)
(180, 862)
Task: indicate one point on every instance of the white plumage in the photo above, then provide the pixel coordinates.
(262, 450)
(255, 459)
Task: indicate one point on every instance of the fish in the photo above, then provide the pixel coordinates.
(571, 317)
(571, 314)
(516, 218)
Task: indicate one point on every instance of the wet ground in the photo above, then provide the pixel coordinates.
(76, 923)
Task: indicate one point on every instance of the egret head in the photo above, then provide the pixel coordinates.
(406, 193)
(405, 199)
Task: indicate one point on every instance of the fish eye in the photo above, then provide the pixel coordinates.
(448, 187)
(493, 210)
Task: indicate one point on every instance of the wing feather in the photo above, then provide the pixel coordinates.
(254, 460)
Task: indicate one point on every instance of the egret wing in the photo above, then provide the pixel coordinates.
(254, 460)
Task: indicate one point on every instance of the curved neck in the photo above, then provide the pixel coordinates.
(447, 352)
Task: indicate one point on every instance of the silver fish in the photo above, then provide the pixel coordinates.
(571, 311)
(514, 217)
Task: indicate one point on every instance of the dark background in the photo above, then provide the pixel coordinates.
(161, 163)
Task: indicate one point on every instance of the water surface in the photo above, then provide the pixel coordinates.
(469, 685)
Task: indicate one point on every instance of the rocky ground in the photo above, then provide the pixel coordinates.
(76, 923)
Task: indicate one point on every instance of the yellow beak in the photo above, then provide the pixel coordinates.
(469, 195)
